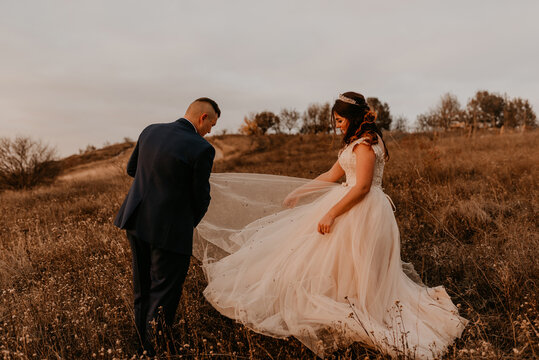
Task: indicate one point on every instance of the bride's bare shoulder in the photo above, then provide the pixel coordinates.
(363, 148)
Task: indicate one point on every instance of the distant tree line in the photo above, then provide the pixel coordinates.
(484, 110)
(314, 120)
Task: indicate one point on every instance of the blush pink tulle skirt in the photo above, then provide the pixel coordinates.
(269, 268)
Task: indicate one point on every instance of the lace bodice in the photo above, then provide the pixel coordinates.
(347, 160)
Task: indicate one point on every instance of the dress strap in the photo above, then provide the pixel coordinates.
(356, 142)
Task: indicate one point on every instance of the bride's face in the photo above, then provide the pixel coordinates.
(341, 122)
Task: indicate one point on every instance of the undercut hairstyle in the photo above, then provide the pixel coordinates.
(212, 103)
(361, 119)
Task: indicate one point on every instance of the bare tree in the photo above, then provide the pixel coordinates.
(518, 112)
(289, 119)
(400, 124)
(266, 120)
(485, 110)
(445, 115)
(317, 119)
(249, 126)
(260, 123)
(25, 163)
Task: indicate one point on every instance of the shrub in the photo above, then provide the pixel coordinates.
(25, 163)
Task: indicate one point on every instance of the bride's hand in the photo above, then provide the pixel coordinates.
(290, 201)
(324, 226)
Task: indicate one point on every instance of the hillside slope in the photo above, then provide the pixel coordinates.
(466, 210)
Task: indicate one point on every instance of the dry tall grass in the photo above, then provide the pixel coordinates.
(466, 208)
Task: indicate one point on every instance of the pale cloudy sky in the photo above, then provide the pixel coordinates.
(75, 73)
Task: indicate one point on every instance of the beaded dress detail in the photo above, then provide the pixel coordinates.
(347, 160)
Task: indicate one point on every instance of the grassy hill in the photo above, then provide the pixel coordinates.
(466, 209)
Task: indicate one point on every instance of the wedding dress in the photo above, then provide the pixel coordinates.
(271, 270)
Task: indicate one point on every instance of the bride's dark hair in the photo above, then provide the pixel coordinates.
(360, 117)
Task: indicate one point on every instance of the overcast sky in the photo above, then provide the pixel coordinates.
(75, 73)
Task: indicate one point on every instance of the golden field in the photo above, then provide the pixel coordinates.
(466, 208)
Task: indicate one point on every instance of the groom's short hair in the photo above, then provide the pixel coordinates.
(212, 103)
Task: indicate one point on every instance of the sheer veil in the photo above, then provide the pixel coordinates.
(240, 199)
(242, 202)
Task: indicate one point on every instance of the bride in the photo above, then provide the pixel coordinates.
(327, 270)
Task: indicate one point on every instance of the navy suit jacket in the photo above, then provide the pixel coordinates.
(170, 194)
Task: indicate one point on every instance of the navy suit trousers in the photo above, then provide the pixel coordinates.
(158, 277)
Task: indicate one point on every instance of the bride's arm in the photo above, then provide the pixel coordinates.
(332, 175)
(365, 159)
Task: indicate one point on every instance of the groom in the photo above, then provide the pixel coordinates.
(170, 194)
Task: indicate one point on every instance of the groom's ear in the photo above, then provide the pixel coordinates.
(203, 118)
